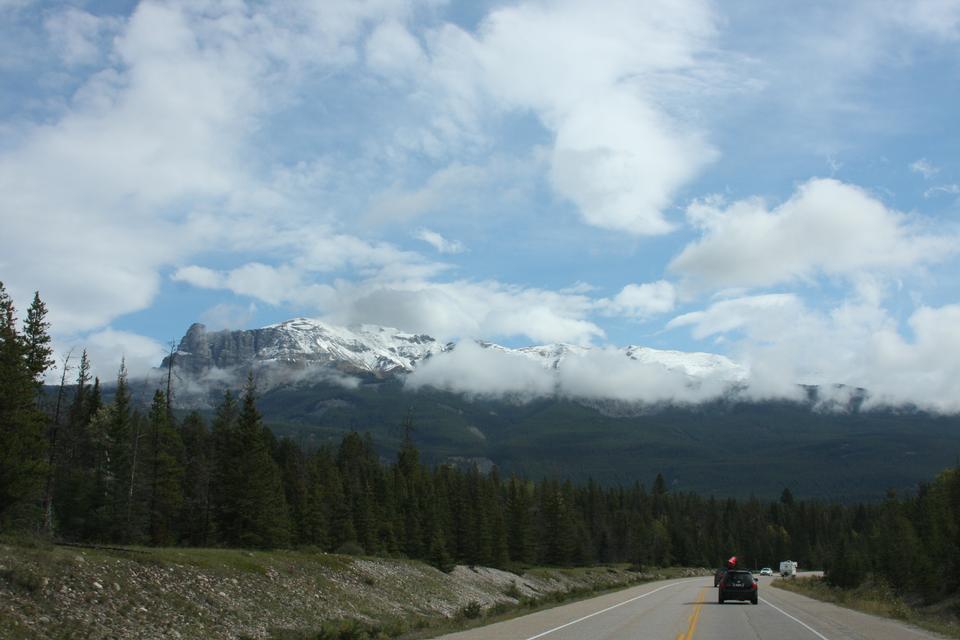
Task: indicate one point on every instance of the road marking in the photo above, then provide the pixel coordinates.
(596, 613)
(694, 618)
(800, 622)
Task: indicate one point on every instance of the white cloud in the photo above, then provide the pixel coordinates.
(393, 52)
(608, 374)
(946, 189)
(475, 371)
(152, 159)
(641, 300)
(857, 344)
(594, 77)
(273, 285)
(467, 309)
(108, 347)
(228, 316)
(826, 227)
(78, 35)
(438, 242)
(442, 190)
(764, 315)
(592, 375)
(925, 168)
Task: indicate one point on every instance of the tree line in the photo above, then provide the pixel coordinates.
(79, 468)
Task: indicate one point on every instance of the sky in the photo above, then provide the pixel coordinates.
(778, 187)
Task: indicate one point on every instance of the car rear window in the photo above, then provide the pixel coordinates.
(739, 575)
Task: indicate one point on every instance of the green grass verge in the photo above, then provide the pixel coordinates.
(879, 600)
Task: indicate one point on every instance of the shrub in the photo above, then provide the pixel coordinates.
(471, 611)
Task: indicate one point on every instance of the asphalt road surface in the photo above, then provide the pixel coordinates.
(687, 609)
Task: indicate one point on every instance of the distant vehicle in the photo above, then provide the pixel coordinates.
(766, 571)
(738, 584)
(788, 568)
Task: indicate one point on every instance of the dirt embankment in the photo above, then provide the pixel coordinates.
(65, 592)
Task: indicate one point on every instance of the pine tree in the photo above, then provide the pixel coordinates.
(22, 444)
(261, 508)
(119, 464)
(36, 339)
(293, 471)
(196, 519)
(225, 475)
(74, 475)
(166, 473)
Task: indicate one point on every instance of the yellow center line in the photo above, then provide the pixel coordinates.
(694, 618)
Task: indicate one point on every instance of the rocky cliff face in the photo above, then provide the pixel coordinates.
(304, 343)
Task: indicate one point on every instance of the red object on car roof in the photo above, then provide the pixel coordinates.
(732, 562)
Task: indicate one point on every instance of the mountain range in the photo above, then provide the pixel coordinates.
(381, 352)
(317, 381)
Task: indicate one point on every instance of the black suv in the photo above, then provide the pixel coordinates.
(738, 584)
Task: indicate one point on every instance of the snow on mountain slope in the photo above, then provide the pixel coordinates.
(305, 342)
(382, 351)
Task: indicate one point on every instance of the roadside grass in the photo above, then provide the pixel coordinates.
(473, 615)
(58, 592)
(878, 599)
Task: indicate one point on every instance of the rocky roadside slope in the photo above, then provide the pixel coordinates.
(72, 592)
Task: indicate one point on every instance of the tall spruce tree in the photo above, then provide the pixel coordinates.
(262, 515)
(22, 443)
(36, 341)
(196, 517)
(166, 473)
(74, 474)
(120, 464)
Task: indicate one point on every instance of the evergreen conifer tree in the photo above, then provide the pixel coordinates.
(166, 474)
(22, 444)
(196, 518)
(262, 516)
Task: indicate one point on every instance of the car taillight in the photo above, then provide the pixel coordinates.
(754, 586)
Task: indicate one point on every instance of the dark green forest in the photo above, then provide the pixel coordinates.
(77, 468)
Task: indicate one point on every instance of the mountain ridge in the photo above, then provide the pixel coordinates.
(386, 352)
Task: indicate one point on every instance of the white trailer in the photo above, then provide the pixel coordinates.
(788, 568)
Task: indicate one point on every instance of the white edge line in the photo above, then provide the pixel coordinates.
(620, 604)
(800, 622)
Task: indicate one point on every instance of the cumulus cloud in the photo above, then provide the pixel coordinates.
(393, 52)
(464, 308)
(149, 162)
(608, 374)
(78, 35)
(826, 227)
(618, 153)
(476, 371)
(590, 375)
(438, 242)
(106, 349)
(641, 300)
(856, 344)
(273, 285)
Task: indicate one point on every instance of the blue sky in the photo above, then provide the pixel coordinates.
(780, 187)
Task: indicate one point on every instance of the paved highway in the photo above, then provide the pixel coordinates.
(687, 609)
